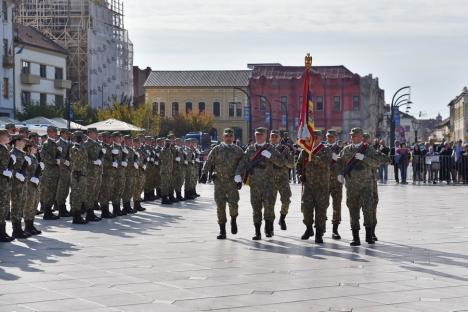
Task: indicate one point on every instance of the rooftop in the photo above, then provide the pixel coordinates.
(28, 35)
(201, 78)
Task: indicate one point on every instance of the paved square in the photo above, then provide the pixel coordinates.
(168, 259)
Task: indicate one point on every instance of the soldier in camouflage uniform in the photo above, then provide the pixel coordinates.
(359, 189)
(93, 171)
(166, 158)
(189, 183)
(314, 173)
(190, 191)
(107, 176)
(50, 155)
(118, 174)
(31, 193)
(225, 158)
(130, 175)
(63, 185)
(336, 188)
(258, 164)
(18, 185)
(6, 174)
(150, 169)
(180, 163)
(79, 166)
(157, 164)
(281, 176)
(138, 186)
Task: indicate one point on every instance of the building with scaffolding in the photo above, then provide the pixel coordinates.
(100, 60)
(7, 108)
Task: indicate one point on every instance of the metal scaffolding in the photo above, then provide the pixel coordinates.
(100, 59)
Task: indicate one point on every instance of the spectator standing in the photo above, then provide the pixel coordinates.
(395, 160)
(417, 161)
(457, 155)
(403, 154)
(464, 164)
(383, 168)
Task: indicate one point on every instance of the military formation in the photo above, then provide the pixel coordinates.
(97, 171)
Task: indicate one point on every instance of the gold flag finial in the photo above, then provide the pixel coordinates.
(308, 61)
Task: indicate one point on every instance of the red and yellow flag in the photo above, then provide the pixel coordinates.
(305, 135)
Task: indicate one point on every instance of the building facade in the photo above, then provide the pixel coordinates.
(7, 108)
(459, 117)
(139, 78)
(220, 94)
(40, 64)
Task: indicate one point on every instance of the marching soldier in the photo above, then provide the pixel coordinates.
(50, 155)
(79, 167)
(130, 175)
(93, 171)
(63, 185)
(225, 158)
(105, 189)
(336, 188)
(21, 162)
(6, 174)
(166, 170)
(31, 192)
(281, 176)
(356, 163)
(257, 167)
(314, 173)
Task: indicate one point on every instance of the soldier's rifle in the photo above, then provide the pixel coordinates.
(354, 161)
(254, 162)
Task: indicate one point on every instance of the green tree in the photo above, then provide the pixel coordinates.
(182, 124)
(33, 110)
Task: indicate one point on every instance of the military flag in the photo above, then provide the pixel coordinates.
(305, 135)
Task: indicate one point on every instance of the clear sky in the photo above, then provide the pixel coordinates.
(422, 43)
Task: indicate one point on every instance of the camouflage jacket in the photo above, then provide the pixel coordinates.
(224, 159)
(264, 169)
(316, 170)
(167, 159)
(79, 160)
(65, 153)
(50, 153)
(117, 154)
(4, 158)
(282, 172)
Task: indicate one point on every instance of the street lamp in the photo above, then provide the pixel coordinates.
(404, 99)
(69, 105)
(249, 105)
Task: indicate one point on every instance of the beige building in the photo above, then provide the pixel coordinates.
(221, 94)
(459, 117)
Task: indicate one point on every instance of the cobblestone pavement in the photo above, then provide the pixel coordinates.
(168, 259)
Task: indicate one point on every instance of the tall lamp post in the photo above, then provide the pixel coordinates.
(249, 105)
(271, 110)
(403, 99)
(69, 105)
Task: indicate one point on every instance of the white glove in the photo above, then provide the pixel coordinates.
(359, 156)
(148, 159)
(28, 160)
(115, 164)
(135, 165)
(266, 154)
(97, 162)
(156, 163)
(67, 163)
(125, 150)
(193, 161)
(58, 162)
(104, 151)
(7, 173)
(60, 149)
(186, 162)
(151, 159)
(35, 180)
(115, 151)
(144, 167)
(41, 164)
(138, 154)
(177, 159)
(340, 178)
(157, 155)
(14, 158)
(197, 160)
(335, 156)
(124, 164)
(238, 179)
(19, 176)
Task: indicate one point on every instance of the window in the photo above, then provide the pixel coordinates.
(216, 109)
(319, 103)
(336, 104)
(238, 109)
(5, 88)
(5, 47)
(58, 73)
(58, 100)
(232, 107)
(26, 67)
(155, 107)
(188, 107)
(356, 103)
(262, 103)
(43, 99)
(26, 98)
(162, 109)
(43, 71)
(201, 107)
(175, 109)
(284, 103)
(5, 10)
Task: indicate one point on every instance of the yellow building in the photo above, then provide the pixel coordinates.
(459, 117)
(221, 94)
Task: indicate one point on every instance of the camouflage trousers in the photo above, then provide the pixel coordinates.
(157, 177)
(49, 182)
(336, 193)
(77, 196)
(5, 195)
(17, 199)
(118, 185)
(138, 185)
(225, 191)
(92, 186)
(315, 201)
(356, 200)
(179, 177)
(166, 183)
(63, 185)
(189, 182)
(32, 195)
(130, 174)
(150, 174)
(105, 189)
(284, 189)
(262, 196)
(375, 201)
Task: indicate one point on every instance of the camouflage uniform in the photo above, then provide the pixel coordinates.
(18, 187)
(281, 177)
(79, 167)
(5, 182)
(189, 183)
(166, 171)
(179, 170)
(336, 188)
(107, 176)
(31, 192)
(130, 177)
(93, 173)
(150, 172)
(118, 175)
(140, 180)
(63, 185)
(157, 173)
(50, 155)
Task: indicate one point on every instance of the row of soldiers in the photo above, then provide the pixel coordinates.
(94, 169)
(322, 171)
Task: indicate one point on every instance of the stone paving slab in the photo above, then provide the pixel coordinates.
(168, 259)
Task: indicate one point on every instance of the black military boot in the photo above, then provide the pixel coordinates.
(127, 207)
(222, 231)
(282, 222)
(234, 225)
(373, 233)
(179, 196)
(195, 193)
(105, 213)
(356, 240)
(8, 215)
(96, 206)
(34, 229)
(172, 198)
(319, 236)
(138, 207)
(48, 214)
(269, 231)
(165, 200)
(77, 218)
(4, 237)
(18, 232)
(335, 234)
(116, 209)
(258, 231)
(145, 197)
(63, 212)
(158, 194)
(29, 227)
(40, 210)
(309, 232)
(91, 217)
(369, 238)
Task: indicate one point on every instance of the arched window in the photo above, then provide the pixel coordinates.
(201, 107)
(155, 107)
(162, 109)
(216, 109)
(188, 107)
(175, 109)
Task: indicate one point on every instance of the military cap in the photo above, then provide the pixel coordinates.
(261, 130)
(10, 126)
(228, 131)
(159, 139)
(64, 130)
(170, 134)
(24, 129)
(332, 132)
(318, 133)
(17, 137)
(178, 139)
(275, 132)
(127, 137)
(52, 128)
(116, 134)
(78, 133)
(33, 135)
(44, 136)
(356, 131)
(92, 130)
(106, 134)
(3, 131)
(366, 135)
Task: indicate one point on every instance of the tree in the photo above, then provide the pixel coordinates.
(33, 110)
(84, 114)
(182, 124)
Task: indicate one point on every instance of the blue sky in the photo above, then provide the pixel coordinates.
(423, 43)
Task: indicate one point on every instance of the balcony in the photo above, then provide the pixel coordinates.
(62, 84)
(8, 61)
(30, 79)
